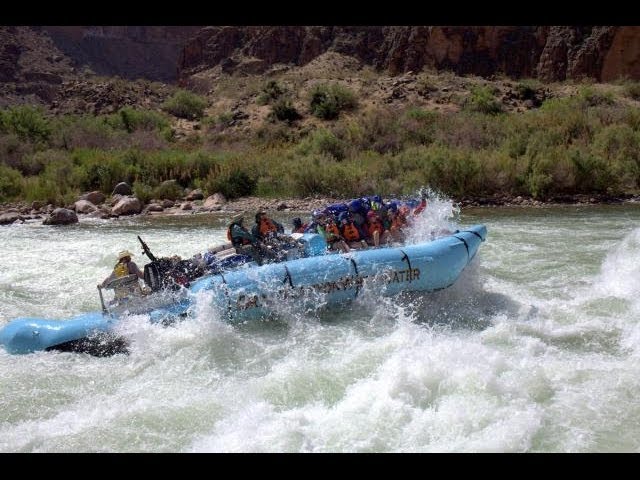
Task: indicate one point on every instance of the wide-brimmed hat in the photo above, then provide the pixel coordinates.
(237, 217)
(124, 254)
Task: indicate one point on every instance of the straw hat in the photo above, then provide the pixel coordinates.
(124, 253)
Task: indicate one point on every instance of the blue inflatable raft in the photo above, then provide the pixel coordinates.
(252, 292)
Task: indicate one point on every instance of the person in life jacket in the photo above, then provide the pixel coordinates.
(350, 232)
(358, 213)
(298, 226)
(327, 227)
(423, 204)
(265, 227)
(398, 217)
(377, 232)
(247, 243)
(123, 268)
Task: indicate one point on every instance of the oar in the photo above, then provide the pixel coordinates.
(104, 309)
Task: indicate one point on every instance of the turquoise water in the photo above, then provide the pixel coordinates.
(536, 348)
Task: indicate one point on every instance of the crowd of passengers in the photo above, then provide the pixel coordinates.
(360, 223)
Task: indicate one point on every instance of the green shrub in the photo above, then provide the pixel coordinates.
(185, 104)
(169, 189)
(418, 126)
(284, 111)
(224, 120)
(271, 91)
(323, 141)
(526, 89)
(591, 97)
(483, 100)
(133, 119)
(632, 90)
(591, 172)
(425, 85)
(34, 164)
(86, 131)
(101, 171)
(234, 184)
(27, 122)
(10, 183)
(142, 191)
(327, 101)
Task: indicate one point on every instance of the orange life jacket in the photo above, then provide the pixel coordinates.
(266, 227)
(332, 231)
(350, 232)
(398, 222)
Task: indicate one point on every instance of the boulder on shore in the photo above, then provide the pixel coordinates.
(9, 217)
(195, 195)
(94, 197)
(84, 206)
(215, 200)
(123, 188)
(61, 216)
(127, 206)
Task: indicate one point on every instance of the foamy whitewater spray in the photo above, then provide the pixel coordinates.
(534, 348)
(440, 217)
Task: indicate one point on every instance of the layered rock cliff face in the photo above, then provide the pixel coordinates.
(45, 64)
(130, 52)
(549, 53)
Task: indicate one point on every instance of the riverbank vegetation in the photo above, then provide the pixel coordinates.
(586, 143)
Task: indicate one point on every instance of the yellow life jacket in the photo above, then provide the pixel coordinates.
(121, 270)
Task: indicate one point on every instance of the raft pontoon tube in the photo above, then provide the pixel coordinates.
(252, 292)
(335, 279)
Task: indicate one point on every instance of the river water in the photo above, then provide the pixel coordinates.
(536, 348)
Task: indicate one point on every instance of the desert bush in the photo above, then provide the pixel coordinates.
(142, 191)
(425, 85)
(526, 89)
(482, 100)
(632, 90)
(185, 104)
(323, 141)
(10, 183)
(233, 184)
(13, 150)
(284, 111)
(136, 119)
(86, 131)
(590, 96)
(271, 91)
(27, 122)
(168, 189)
(328, 100)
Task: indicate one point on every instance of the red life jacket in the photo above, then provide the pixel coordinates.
(420, 207)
